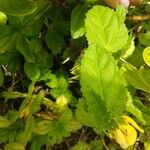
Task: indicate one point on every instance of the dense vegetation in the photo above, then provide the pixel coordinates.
(74, 74)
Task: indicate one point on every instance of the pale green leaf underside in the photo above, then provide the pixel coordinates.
(101, 86)
(106, 28)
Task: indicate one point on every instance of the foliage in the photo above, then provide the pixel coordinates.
(69, 67)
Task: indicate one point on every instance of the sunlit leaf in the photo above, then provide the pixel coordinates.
(146, 55)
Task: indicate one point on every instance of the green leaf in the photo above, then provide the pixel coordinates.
(106, 28)
(11, 59)
(32, 70)
(55, 41)
(14, 146)
(136, 58)
(139, 78)
(38, 141)
(80, 146)
(97, 144)
(99, 76)
(27, 133)
(82, 114)
(77, 21)
(141, 112)
(146, 55)
(1, 77)
(4, 122)
(24, 49)
(3, 18)
(42, 127)
(37, 102)
(7, 38)
(17, 8)
(145, 38)
(32, 29)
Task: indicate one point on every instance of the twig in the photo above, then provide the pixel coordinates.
(139, 17)
(104, 144)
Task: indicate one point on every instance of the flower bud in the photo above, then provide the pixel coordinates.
(115, 3)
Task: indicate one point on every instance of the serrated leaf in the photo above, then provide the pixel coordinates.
(77, 21)
(82, 114)
(99, 76)
(139, 78)
(14, 146)
(106, 28)
(17, 7)
(60, 128)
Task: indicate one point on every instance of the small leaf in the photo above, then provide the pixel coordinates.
(146, 55)
(27, 134)
(42, 127)
(7, 38)
(24, 49)
(80, 146)
(3, 18)
(32, 70)
(4, 122)
(36, 103)
(134, 110)
(144, 38)
(77, 20)
(14, 146)
(55, 41)
(139, 78)
(17, 7)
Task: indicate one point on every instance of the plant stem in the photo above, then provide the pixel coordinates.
(15, 95)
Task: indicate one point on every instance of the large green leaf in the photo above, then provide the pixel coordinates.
(102, 87)
(106, 28)
(17, 7)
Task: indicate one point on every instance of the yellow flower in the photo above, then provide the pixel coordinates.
(126, 134)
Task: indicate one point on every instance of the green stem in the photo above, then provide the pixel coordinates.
(15, 95)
